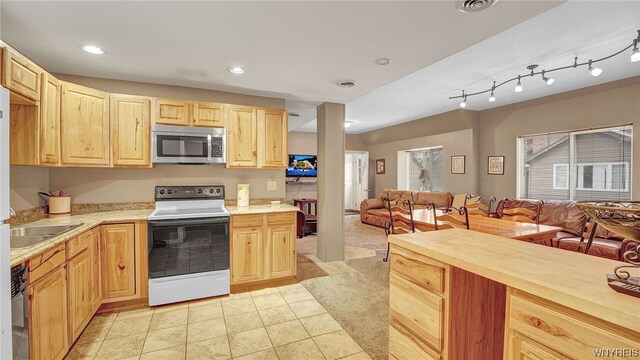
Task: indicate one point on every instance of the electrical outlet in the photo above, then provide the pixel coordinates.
(272, 185)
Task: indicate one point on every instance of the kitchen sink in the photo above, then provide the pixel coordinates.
(25, 236)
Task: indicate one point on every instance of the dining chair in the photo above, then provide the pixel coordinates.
(444, 218)
(479, 205)
(400, 219)
(588, 233)
(520, 210)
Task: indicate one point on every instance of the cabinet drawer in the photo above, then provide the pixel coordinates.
(281, 218)
(521, 348)
(417, 310)
(42, 264)
(246, 220)
(78, 244)
(418, 269)
(404, 346)
(574, 334)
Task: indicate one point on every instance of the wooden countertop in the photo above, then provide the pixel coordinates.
(88, 221)
(568, 278)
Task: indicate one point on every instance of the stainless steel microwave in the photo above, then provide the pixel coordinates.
(188, 145)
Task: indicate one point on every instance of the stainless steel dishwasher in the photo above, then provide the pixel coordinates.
(19, 313)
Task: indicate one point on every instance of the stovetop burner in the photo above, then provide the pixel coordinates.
(189, 202)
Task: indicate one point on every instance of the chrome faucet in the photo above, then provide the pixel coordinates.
(11, 211)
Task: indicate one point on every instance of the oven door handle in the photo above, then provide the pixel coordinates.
(185, 222)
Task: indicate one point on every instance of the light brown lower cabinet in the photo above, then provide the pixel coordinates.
(263, 246)
(118, 262)
(96, 269)
(48, 336)
(80, 302)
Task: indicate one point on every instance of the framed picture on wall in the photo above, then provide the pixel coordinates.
(457, 164)
(495, 165)
(379, 166)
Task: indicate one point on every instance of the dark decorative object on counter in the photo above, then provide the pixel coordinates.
(622, 217)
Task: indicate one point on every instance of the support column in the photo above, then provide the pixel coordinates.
(330, 244)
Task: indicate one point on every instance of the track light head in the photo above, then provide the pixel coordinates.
(635, 54)
(548, 80)
(492, 98)
(463, 103)
(595, 71)
(518, 85)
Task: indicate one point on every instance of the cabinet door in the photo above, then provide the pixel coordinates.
(85, 126)
(521, 348)
(209, 114)
(242, 137)
(130, 127)
(117, 248)
(23, 133)
(48, 335)
(79, 285)
(246, 254)
(272, 139)
(171, 112)
(96, 275)
(20, 74)
(282, 250)
(50, 120)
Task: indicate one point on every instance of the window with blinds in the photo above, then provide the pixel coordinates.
(425, 169)
(576, 165)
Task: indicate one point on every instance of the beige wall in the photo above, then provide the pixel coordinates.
(25, 182)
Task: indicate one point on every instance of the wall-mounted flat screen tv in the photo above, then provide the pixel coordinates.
(302, 165)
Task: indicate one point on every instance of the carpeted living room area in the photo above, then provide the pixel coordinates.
(355, 291)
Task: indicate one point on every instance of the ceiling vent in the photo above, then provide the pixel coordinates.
(294, 114)
(347, 83)
(474, 5)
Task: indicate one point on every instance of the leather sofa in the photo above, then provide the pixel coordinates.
(571, 219)
(374, 211)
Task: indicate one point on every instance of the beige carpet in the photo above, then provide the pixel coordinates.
(355, 291)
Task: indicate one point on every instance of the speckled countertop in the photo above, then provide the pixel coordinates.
(92, 220)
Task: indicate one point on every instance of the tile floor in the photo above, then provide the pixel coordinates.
(275, 323)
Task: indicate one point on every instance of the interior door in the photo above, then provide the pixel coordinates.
(349, 181)
(360, 178)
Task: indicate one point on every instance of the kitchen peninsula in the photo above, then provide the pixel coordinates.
(459, 294)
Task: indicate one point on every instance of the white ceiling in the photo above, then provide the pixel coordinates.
(295, 50)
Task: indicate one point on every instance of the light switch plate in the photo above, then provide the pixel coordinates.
(272, 185)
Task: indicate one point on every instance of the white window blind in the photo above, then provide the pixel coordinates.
(425, 169)
(577, 165)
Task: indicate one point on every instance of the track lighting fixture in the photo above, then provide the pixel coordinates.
(593, 70)
(518, 85)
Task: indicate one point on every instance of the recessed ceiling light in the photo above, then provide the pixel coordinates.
(294, 114)
(383, 61)
(348, 123)
(236, 70)
(347, 83)
(93, 49)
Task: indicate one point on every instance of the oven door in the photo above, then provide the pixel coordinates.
(176, 148)
(191, 246)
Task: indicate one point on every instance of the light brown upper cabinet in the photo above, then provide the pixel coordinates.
(209, 114)
(242, 135)
(21, 75)
(130, 127)
(84, 126)
(50, 120)
(171, 112)
(272, 139)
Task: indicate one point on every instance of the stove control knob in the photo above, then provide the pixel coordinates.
(161, 192)
(169, 191)
(210, 191)
(218, 191)
(199, 191)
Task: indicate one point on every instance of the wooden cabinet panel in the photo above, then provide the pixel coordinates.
(48, 336)
(417, 269)
(117, 247)
(42, 264)
(242, 137)
(246, 254)
(79, 244)
(96, 275)
(403, 345)
(171, 112)
(542, 322)
(272, 139)
(130, 130)
(521, 348)
(84, 126)
(416, 309)
(23, 134)
(209, 114)
(281, 218)
(79, 285)
(50, 120)
(249, 220)
(20, 74)
(282, 250)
